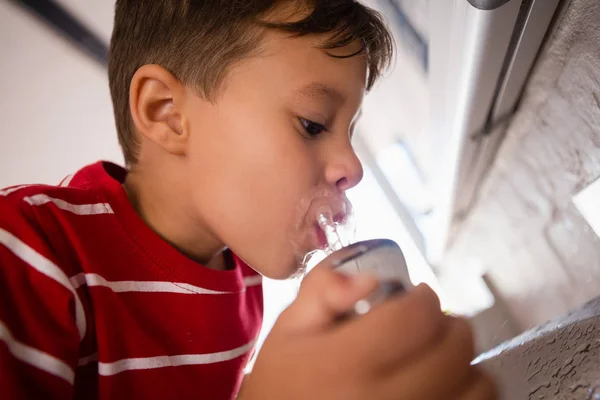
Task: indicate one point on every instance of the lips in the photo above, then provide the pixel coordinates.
(321, 238)
(307, 236)
(332, 224)
(337, 207)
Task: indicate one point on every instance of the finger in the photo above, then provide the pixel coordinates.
(480, 387)
(395, 329)
(443, 368)
(324, 296)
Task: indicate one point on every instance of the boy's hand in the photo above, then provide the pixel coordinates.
(405, 348)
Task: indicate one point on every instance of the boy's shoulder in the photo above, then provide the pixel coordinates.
(42, 215)
(21, 204)
(22, 197)
(76, 193)
(31, 201)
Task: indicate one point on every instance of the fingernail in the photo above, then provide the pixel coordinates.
(384, 291)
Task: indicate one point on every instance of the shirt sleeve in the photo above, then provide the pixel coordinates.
(41, 318)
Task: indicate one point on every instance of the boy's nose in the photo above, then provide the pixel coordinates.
(345, 171)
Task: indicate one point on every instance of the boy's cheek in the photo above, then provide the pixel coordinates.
(247, 186)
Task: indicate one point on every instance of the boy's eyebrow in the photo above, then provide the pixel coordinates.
(318, 90)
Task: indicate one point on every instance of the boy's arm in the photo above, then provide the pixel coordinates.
(41, 318)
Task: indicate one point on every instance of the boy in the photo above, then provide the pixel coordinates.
(233, 115)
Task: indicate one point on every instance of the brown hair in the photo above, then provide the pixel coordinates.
(198, 40)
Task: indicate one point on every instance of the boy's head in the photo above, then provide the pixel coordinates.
(246, 108)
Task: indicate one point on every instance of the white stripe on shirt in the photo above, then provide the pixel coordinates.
(140, 286)
(35, 357)
(46, 267)
(126, 364)
(8, 191)
(253, 280)
(79, 209)
(77, 280)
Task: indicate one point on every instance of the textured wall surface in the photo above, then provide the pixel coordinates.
(559, 360)
(538, 251)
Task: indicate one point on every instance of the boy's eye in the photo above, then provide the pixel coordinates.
(313, 129)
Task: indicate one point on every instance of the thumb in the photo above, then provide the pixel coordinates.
(324, 295)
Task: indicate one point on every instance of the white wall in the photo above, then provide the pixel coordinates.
(55, 108)
(539, 252)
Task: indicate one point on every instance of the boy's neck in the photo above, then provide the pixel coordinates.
(166, 215)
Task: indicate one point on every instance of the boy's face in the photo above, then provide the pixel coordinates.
(278, 133)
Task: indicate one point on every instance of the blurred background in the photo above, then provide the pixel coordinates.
(481, 146)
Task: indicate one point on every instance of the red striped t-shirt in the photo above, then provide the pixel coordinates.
(94, 304)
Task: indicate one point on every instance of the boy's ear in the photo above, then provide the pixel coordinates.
(154, 97)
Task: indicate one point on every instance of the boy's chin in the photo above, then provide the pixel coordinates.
(280, 271)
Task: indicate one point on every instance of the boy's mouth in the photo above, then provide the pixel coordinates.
(308, 235)
(335, 231)
(321, 238)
